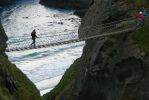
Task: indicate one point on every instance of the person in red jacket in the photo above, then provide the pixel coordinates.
(140, 18)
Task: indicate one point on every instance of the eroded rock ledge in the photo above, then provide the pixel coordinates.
(111, 68)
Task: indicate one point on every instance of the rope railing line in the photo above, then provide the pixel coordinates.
(42, 40)
(108, 34)
(112, 29)
(97, 26)
(43, 35)
(106, 24)
(67, 42)
(93, 28)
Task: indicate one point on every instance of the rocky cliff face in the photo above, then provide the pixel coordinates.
(4, 2)
(111, 68)
(14, 85)
(77, 4)
(3, 39)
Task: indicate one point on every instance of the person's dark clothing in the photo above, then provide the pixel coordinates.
(33, 34)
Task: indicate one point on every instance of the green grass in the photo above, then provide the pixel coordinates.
(140, 2)
(136, 8)
(26, 89)
(142, 38)
(65, 81)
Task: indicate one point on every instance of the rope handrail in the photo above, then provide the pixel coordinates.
(107, 29)
(110, 23)
(51, 35)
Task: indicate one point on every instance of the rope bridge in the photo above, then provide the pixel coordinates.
(24, 43)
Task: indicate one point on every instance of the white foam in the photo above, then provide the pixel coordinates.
(44, 66)
(46, 85)
(45, 91)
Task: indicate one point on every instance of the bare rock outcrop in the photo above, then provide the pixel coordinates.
(111, 68)
(3, 39)
(77, 4)
(5, 2)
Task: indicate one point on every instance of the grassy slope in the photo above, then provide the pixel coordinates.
(26, 89)
(142, 38)
(142, 35)
(65, 81)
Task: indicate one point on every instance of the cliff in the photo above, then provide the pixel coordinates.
(80, 6)
(5, 2)
(77, 4)
(111, 68)
(14, 85)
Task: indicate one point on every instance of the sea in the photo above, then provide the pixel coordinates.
(45, 66)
